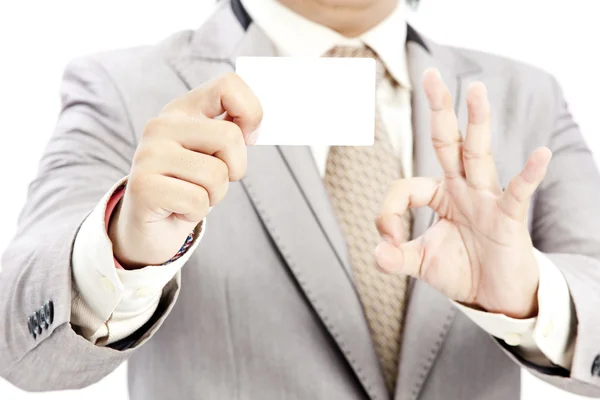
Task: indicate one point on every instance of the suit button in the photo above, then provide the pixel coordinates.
(34, 324)
(42, 314)
(49, 312)
(596, 366)
(31, 324)
(512, 339)
(38, 322)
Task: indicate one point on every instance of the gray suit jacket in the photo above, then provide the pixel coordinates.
(266, 308)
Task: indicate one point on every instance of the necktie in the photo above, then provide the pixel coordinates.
(357, 179)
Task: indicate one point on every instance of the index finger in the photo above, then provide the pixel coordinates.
(445, 136)
(226, 94)
(403, 195)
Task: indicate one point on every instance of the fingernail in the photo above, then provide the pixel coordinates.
(253, 137)
(385, 260)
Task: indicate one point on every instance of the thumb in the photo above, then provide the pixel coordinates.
(402, 259)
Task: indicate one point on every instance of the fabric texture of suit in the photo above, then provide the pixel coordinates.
(266, 308)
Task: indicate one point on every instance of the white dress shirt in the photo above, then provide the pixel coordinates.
(110, 304)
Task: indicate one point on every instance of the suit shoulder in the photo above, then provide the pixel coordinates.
(135, 64)
(521, 74)
(139, 80)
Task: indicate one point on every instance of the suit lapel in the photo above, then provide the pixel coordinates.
(429, 314)
(300, 162)
(288, 194)
(294, 211)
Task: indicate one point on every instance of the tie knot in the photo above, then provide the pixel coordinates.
(359, 52)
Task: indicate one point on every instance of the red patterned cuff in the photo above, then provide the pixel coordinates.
(188, 243)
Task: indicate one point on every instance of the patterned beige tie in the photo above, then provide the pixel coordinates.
(357, 179)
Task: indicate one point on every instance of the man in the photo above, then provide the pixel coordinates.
(280, 296)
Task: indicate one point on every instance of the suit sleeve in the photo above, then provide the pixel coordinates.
(112, 303)
(566, 228)
(90, 150)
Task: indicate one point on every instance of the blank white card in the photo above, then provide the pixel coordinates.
(313, 101)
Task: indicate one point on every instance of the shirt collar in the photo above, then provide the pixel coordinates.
(296, 36)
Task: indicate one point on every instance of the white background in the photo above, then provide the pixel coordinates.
(38, 37)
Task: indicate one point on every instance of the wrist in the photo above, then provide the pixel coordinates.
(528, 310)
(134, 250)
(526, 288)
(518, 300)
(525, 310)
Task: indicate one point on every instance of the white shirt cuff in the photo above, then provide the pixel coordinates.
(109, 304)
(547, 337)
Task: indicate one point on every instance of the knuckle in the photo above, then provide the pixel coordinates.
(194, 129)
(179, 105)
(470, 154)
(444, 143)
(232, 78)
(228, 81)
(155, 127)
(170, 106)
(200, 200)
(219, 173)
(231, 135)
(239, 172)
(146, 151)
(218, 194)
(237, 164)
(137, 184)
(515, 192)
